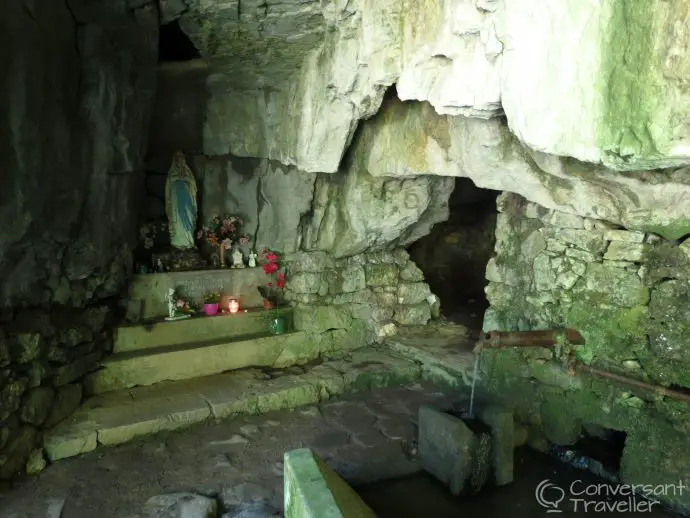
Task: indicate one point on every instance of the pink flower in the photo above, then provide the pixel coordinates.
(227, 243)
(227, 222)
(244, 240)
(180, 303)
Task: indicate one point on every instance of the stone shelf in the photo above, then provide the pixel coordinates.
(199, 328)
(151, 290)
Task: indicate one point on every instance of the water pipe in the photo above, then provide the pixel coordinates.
(548, 339)
(661, 391)
(551, 338)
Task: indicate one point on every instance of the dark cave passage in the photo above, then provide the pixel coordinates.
(174, 44)
(454, 255)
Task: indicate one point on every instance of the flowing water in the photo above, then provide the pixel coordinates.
(474, 383)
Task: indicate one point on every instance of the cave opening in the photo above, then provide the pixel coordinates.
(604, 447)
(454, 255)
(174, 44)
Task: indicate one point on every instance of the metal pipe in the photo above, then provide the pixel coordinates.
(548, 339)
(662, 391)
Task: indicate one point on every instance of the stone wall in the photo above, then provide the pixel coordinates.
(365, 296)
(76, 96)
(628, 295)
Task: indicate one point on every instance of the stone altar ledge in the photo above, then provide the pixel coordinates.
(151, 290)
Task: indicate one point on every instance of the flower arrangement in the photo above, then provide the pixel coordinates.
(212, 298)
(224, 230)
(276, 281)
(149, 232)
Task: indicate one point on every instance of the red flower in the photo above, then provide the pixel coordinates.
(269, 284)
(280, 283)
(270, 268)
(281, 276)
(271, 257)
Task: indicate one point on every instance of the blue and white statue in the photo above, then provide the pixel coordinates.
(180, 203)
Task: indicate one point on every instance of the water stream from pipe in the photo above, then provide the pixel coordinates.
(474, 383)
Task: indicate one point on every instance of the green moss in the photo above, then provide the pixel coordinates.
(673, 230)
(628, 82)
(608, 333)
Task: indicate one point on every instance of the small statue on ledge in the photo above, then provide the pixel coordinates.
(237, 259)
(252, 259)
(177, 308)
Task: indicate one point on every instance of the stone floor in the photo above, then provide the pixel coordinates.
(364, 438)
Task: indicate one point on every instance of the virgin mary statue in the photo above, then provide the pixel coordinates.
(180, 203)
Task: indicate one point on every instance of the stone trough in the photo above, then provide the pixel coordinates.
(463, 452)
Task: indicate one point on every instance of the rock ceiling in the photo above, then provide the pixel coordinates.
(564, 104)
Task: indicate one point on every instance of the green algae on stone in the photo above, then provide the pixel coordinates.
(631, 92)
(608, 333)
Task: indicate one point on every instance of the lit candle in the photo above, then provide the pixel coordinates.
(234, 306)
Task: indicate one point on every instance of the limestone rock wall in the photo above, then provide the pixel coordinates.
(627, 293)
(364, 296)
(291, 79)
(356, 210)
(77, 84)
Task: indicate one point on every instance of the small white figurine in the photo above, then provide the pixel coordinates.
(252, 259)
(237, 259)
(171, 304)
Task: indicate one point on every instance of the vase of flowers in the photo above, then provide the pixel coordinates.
(221, 233)
(211, 301)
(272, 291)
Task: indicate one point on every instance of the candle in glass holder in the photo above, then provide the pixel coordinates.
(233, 306)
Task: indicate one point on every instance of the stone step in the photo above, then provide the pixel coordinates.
(118, 417)
(194, 360)
(199, 328)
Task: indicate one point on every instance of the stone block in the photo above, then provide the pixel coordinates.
(305, 282)
(627, 236)
(417, 315)
(410, 272)
(382, 274)
(313, 490)
(625, 251)
(588, 240)
(348, 280)
(36, 405)
(17, 451)
(73, 371)
(413, 293)
(10, 397)
(318, 319)
(35, 463)
(70, 442)
(565, 220)
(502, 424)
(619, 286)
(450, 451)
